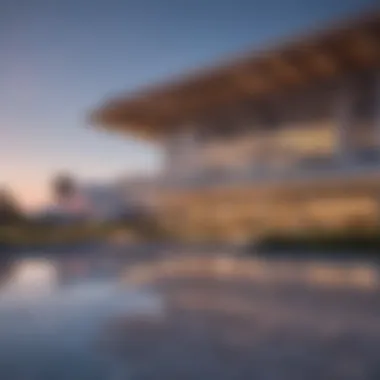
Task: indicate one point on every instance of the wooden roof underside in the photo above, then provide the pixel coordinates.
(155, 111)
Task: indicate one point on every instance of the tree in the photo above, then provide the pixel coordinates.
(64, 187)
(10, 211)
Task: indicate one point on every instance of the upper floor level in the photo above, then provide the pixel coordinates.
(333, 126)
(310, 106)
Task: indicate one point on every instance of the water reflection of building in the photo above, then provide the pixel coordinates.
(282, 140)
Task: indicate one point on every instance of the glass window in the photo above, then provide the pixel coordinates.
(364, 96)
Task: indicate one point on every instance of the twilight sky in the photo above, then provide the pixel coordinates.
(60, 58)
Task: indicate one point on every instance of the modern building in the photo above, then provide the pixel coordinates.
(278, 140)
(101, 201)
(127, 197)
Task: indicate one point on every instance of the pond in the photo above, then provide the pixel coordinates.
(52, 312)
(75, 317)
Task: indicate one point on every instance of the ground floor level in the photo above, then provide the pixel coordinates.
(239, 213)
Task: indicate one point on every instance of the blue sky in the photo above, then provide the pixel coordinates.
(59, 59)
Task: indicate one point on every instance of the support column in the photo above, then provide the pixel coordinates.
(376, 137)
(170, 156)
(377, 110)
(181, 152)
(188, 141)
(264, 160)
(344, 120)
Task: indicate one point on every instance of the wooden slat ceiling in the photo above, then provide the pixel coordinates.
(153, 112)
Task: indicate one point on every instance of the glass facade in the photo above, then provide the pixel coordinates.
(302, 128)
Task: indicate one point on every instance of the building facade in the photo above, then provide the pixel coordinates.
(280, 140)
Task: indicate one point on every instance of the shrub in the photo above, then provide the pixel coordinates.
(317, 241)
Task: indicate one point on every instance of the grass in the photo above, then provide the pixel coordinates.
(30, 235)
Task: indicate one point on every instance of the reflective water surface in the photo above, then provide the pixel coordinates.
(82, 317)
(52, 312)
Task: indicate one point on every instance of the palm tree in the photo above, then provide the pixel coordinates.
(64, 187)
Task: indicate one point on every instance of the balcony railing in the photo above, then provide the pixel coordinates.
(352, 165)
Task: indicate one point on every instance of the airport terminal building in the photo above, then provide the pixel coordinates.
(278, 140)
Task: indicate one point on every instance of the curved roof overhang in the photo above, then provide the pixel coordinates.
(153, 112)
